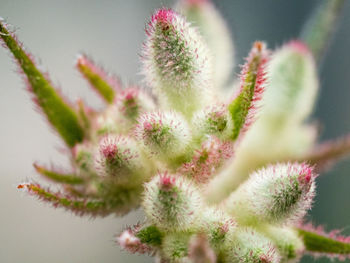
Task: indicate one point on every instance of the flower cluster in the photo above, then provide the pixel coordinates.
(221, 178)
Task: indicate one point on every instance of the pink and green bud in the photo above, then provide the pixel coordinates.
(172, 202)
(280, 193)
(207, 160)
(209, 22)
(248, 246)
(165, 135)
(117, 157)
(217, 225)
(293, 85)
(244, 106)
(175, 247)
(103, 83)
(132, 102)
(128, 241)
(176, 63)
(213, 120)
(287, 241)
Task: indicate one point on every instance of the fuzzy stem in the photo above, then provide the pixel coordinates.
(321, 244)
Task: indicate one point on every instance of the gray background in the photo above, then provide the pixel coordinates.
(112, 32)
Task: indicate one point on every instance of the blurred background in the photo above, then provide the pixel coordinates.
(112, 32)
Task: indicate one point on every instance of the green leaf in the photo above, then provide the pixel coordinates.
(319, 243)
(97, 78)
(59, 177)
(319, 29)
(57, 199)
(150, 235)
(62, 117)
(242, 109)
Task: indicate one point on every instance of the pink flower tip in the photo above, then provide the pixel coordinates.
(166, 181)
(299, 46)
(147, 126)
(164, 15)
(306, 175)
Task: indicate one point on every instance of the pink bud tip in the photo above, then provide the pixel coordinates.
(306, 175)
(109, 150)
(166, 182)
(147, 125)
(299, 46)
(163, 15)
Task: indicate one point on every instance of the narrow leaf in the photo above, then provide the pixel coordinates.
(320, 243)
(58, 112)
(318, 30)
(57, 199)
(97, 78)
(328, 153)
(58, 177)
(242, 109)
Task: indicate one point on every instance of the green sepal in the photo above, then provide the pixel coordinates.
(62, 117)
(150, 235)
(96, 78)
(59, 177)
(318, 243)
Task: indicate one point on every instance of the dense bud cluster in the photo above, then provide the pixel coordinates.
(220, 178)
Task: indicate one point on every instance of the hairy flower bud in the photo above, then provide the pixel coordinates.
(128, 241)
(175, 247)
(210, 23)
(218, 226)
(290, 246)
(278, 194)
(117, 157)
(176, 63)
(213, 120)
(132, 102)
(171, 202)
(207, 160)
(164, 135)
(248, 246)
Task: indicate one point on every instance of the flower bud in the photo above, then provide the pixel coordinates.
(176, 63)
(217, 225)
(280, 193)
(164, 135)
(175, 247)
(248, 246)
(132, 102)
(213, 120)
(171, 202)
(290, 246)
(128, 241)
(207, 160)
(117, 157)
